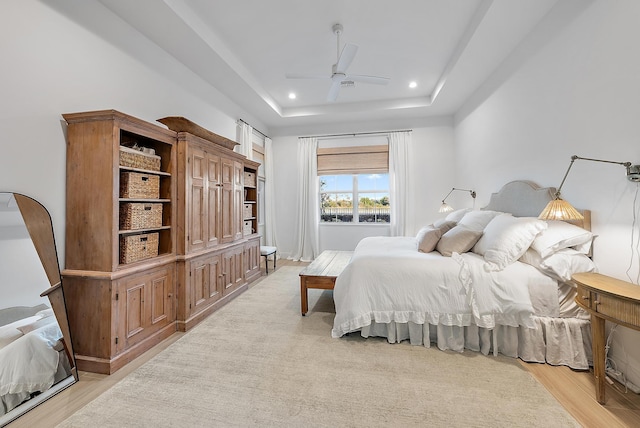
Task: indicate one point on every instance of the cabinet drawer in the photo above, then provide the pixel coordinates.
(625, 311)
(583, 297)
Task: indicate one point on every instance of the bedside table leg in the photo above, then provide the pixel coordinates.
(598, 337)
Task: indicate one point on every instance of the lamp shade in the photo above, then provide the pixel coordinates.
(445, 208)
(559, 209)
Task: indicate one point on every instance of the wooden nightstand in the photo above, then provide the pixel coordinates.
(606, 298)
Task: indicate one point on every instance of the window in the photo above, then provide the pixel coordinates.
(354, 198)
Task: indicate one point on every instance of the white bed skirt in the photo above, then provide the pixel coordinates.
(556, 341)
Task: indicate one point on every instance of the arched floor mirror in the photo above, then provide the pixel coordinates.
(36, 354)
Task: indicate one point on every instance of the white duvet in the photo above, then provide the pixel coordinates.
(28, 364)
(388, 279)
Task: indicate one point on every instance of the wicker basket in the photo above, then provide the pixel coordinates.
(135, 215)
(247, 229)
(248, 211)
(138, 247)
(136, 159)
(136, 185)
(250, 178)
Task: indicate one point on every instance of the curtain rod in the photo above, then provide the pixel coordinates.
(247, 123)
(354, 134)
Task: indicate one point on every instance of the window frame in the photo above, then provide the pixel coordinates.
(355, 198)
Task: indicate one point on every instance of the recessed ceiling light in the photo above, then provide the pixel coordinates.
(292, 96)
(412, 85)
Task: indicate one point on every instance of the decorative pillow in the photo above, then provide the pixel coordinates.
(444, 225)
(459, 239)
(560, 265)
(457, 214)
(507, 238)
(478, 220)
(427, 238)
(559, 235)
(41, 322)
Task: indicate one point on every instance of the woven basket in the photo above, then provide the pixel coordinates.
(247, 211)
(138, 247)
(134, 215)
(247, 229)
(136, 159)
(249, 179)
(137, 185)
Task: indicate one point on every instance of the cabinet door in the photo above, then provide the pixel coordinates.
(214, 186)
(251, 259)
(145, 305)
(205, 286)
(232, 269)
(227, 208)
(197, 199)
(238, 191)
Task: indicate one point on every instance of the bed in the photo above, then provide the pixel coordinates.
(32, 356)
(495, 280)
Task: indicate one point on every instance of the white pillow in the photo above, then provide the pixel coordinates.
(457, 214)
(45, 313)
(8, 334)
(427, 238)
(507, 238)
(11, 332)
(478, 220)
(560, 265)
(559, 235)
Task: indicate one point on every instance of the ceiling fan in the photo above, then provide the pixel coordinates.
(339, 76)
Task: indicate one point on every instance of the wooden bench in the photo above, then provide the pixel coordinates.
(322, 273)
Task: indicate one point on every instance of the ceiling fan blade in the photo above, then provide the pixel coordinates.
(347, 55)
(333, 92)
(306, 76)
(376, 80)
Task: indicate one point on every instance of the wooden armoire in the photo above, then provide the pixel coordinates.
(152, 245)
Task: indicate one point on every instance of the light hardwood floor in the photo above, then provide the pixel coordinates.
(574, 390)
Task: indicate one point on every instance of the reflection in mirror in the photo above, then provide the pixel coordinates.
(36, 360)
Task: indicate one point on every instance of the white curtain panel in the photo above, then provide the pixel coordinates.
(399, 148)
(246, 141)
(270, 192)
(308, 217)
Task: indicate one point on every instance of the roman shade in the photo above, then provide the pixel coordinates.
(353, 160)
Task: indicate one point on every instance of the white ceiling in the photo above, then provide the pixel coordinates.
(244, 48)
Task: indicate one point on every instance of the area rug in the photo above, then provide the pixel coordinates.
(258, 362)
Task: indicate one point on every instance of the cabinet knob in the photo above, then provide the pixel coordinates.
(585, 297)
(596, 302)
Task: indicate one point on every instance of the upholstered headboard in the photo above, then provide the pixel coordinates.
(526, 199)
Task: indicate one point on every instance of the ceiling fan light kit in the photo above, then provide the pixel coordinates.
(339, 77)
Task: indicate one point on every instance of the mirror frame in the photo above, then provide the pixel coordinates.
(39, 225)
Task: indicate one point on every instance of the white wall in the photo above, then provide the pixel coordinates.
(23, 276)
(577, 94)
(431, 178)
(53, 65)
